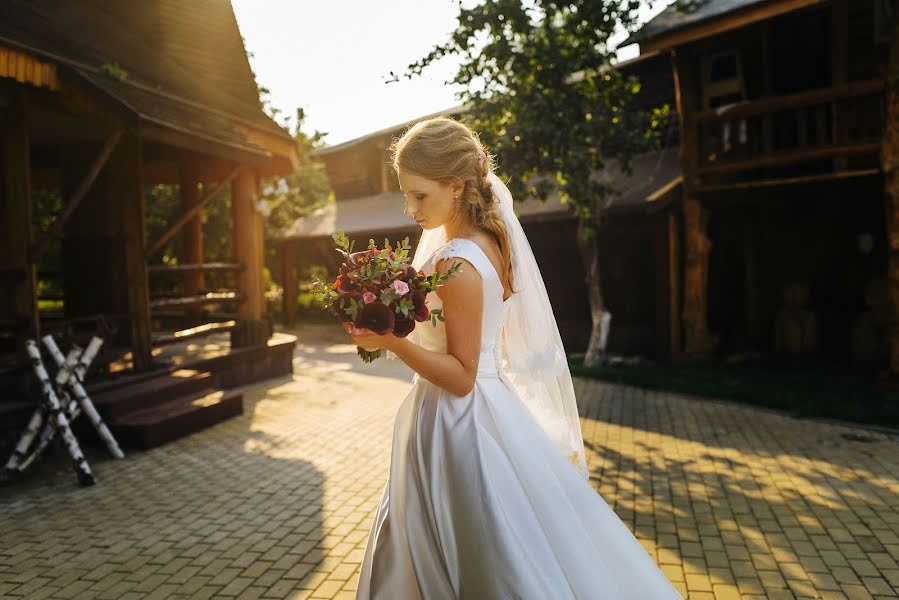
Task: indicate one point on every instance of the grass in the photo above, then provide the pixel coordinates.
(801, 392)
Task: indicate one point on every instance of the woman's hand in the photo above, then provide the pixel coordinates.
(368, 339)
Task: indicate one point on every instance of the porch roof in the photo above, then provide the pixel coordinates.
(183, 67)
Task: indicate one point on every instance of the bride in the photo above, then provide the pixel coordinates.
(488, 495)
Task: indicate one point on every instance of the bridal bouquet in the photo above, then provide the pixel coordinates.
(378, 289)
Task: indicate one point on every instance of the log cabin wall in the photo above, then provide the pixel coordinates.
(829, 238)
(781, 135)
(358, 172)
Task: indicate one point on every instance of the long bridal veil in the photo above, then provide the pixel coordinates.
(533, 355)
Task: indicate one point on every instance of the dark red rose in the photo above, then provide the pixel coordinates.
(377, 317)
(341, 314)
(422, 314)
(403, 327)
(407, 274)
(418, 298)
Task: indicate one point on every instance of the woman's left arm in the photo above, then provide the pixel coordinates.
(463, 304)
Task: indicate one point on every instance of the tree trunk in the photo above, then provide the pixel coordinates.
(599, 315)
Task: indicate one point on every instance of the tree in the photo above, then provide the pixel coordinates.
(286, 199)
(546, 98)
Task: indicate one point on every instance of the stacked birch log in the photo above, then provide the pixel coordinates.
(63, 399)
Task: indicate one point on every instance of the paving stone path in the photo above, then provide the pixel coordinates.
(731, 501)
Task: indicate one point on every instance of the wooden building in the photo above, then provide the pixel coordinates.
(776, 227)
(99, 101)
(370, 205)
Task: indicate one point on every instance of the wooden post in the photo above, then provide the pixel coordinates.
(686, 85)
(248, 250)
(127, 187)
(674, 283)
(289, 280)
(890, 166)
(697, 340)
(192, 234)
(15, 212)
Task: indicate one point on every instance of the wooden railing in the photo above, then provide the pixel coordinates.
(193, 268)
(829, 123)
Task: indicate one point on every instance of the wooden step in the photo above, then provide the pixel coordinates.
(176, 418)
(149, 393)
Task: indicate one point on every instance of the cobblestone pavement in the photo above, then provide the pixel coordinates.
(731, 501)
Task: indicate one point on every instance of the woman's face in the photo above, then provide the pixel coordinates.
(430, 202)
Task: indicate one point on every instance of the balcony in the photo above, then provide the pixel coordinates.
(826, 130)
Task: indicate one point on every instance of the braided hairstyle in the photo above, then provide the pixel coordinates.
(446, 150)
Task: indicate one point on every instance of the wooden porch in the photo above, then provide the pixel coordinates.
(82, 145)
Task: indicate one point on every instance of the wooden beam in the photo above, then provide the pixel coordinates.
(193, 332)
(197, 300)
(839, 60)
(189, 214)
(698, 341)
(289, 280)
(735, 20)
(790, 157)
(38, 250)
(192, 238)
(188, 268)
(248, 250)
(778, 103)
(685, 89)
(784, 181)
(165, 133)
(128, 189)
(15, 211)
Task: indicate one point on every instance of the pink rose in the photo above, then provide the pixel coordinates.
(368, 297)
(400, 287)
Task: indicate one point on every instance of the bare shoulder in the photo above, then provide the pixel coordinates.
(466, 269)
(465, 284)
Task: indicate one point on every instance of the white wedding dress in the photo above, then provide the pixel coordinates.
(479, 503)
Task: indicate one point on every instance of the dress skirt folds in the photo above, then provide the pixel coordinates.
(480, 504)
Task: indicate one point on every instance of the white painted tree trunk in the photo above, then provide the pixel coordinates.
(70, 374)
(48, 432)
(58, 417)
(601, 318)
(14, 463)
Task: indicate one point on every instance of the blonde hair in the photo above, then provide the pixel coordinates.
(446, 150)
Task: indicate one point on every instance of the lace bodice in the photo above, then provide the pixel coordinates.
(434, 338)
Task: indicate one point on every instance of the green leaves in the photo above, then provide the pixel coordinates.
(344, 245)
(436, 315)
(437, 279)
(546, 97)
